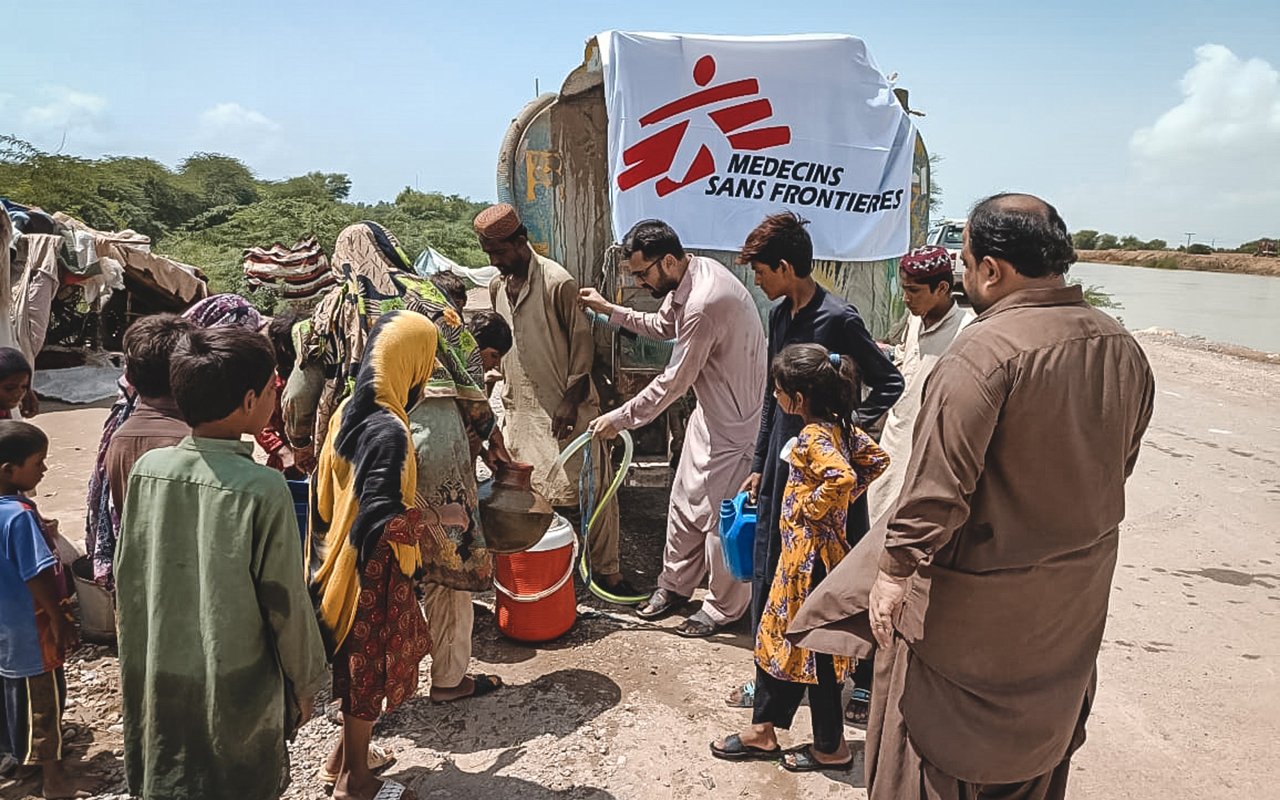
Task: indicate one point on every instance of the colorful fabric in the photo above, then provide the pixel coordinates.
(497, 222)
(225, 310)
(455, 555)
(297, 272)
(26, 639)
(926, 262)
(376, 669)
(375, 280)
(368, 473)
(828, 470)
(217, 637)
(102, 519)
(31, 717)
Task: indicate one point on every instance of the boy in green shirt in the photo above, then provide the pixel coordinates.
(220, 653)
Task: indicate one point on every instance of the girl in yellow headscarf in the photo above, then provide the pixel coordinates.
(373, 536)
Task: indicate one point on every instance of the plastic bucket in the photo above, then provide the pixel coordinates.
(97, 609)
(535, 593)
(301, 491)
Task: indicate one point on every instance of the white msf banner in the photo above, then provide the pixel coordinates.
(711, 133)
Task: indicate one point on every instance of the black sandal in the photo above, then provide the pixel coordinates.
(735, 750)
(804, 761)
(857, 711)
(484, 684)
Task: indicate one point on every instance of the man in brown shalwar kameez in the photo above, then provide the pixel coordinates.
(991, 577)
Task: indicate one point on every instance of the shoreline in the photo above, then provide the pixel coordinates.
(1238, 263)
(1204, 345)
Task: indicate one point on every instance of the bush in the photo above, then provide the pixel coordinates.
(1199, 249)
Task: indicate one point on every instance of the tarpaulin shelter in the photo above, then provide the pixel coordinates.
(53, 267)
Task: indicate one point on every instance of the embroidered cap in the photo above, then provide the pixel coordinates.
(927, 262)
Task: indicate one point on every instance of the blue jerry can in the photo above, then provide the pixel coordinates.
(738, 535)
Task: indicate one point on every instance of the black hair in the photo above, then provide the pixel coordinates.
(452, 286)
(148, 344)
(212, 369)
(491, 331)
(652, 238)
(20, 440)
(934, 281)
(13, 362)
(780, 237)
(1023, 230)
(831, 390)
(523, 230)
(280, 332)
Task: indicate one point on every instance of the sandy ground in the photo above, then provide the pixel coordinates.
(621, 709)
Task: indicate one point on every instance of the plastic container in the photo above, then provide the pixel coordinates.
(738, 535)
(534, 588)
(301, 491)
(97, 608)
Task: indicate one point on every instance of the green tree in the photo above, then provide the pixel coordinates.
(1156, 244)
(218, 180)
(1085, 240)
(1131, 242)
(1200, 249)
(1107, 241)
(314, 185)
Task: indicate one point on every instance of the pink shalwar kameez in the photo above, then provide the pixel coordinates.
(720, 353)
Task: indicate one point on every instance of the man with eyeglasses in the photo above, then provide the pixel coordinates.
(719, 352)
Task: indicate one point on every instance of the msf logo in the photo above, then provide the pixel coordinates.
(653, 156)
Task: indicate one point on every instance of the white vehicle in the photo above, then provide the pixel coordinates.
(949, 233)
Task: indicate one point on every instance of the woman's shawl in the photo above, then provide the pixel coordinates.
(367, 475)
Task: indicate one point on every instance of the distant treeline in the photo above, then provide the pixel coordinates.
(1093, 240)
(212, 206)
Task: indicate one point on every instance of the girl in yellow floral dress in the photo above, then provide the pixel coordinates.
(832, 462)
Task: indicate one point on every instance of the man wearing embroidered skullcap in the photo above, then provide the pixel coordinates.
(548, 395)
(933, 322)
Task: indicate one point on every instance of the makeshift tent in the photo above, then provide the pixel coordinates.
(53, 267)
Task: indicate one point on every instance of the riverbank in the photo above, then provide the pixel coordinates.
(1240, 263)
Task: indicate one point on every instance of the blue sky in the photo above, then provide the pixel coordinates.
(1154, 118)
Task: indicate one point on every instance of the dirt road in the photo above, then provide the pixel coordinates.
(1188, 688)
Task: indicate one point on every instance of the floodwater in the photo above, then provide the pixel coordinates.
(1220, 306)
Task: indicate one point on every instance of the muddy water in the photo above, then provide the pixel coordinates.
(1220, 306)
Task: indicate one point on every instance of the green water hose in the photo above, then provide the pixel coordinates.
(591, 508)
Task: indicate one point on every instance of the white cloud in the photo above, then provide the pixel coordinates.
(1213, 160)
(1227, 125)
(236, 120)
(241, 132)
(78, 114)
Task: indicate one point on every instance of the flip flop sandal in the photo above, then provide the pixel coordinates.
(484, 684)
(858, 710)
(391, 790)
(697, 626)
(379, 759)
(742, 697)
(803, 761)
(735, 750)
(660, 603)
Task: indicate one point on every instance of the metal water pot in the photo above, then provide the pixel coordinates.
(515, 516)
